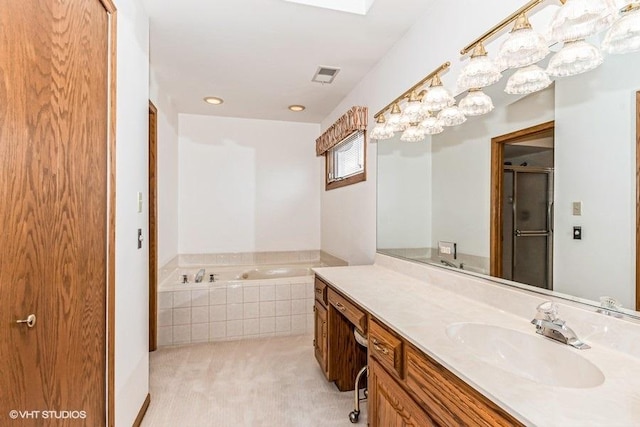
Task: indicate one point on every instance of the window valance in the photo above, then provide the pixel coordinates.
(353, 120)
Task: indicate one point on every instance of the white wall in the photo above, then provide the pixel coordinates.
(132, 288)
(462, 171)
(404, 195)
(248, 185)
(167, 173)
(595, 164)
(348, 214)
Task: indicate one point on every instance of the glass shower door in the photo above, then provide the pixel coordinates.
(530, 225)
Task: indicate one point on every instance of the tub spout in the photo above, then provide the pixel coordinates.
(199, 276)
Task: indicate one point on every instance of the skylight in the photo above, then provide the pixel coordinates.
(359, 7)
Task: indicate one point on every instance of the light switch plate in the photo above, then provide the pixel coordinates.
(139, 201)
(577, 208)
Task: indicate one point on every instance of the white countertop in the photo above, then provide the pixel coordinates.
(421, 308)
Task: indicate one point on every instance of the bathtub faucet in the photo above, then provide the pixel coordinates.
(212, 277)
(199, 276)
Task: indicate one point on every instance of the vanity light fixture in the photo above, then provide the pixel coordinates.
(579, 19)
(381, 130)
(437, 96)
(213, 100)
(523, 45)
(574, 58)
(296, 108)
(527, 80)
(431, 125)
(451, 116)
(624, 34)
(413, 133)
(395, 122)
(413, 111)
(480, 71)
(476, 103)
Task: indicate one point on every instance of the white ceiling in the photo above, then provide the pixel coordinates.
(260, 55)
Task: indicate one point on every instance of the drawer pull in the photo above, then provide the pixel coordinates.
(378, 347)
(318, 291)
(341, 307)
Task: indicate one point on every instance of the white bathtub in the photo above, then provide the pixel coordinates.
(231, 274)
(242, 302)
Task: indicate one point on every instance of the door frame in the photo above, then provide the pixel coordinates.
(497, 161)
(638, 200)
(111, 208)
(153, 226)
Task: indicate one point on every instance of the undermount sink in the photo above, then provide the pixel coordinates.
(529, 356)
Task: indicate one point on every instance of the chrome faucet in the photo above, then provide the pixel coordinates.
(551, 326)
(199, 276)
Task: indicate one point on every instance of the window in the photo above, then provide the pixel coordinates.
(346, 161)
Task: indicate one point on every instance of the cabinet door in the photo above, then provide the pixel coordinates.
(320, 337)
(389, 404)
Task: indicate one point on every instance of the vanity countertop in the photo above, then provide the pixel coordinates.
(421, 308)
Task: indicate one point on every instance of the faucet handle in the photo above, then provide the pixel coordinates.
(549, 309)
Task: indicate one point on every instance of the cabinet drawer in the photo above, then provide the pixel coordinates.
(320, 291)
(348, 310)
(385, 347)
(448, 399)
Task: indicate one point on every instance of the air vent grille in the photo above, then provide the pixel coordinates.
(325, 74)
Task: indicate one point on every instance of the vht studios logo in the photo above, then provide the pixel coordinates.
(51, 415)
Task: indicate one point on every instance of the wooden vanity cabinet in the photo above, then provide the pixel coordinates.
(406, 386)
(320, 335)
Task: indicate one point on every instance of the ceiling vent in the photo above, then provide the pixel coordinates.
(325, 74)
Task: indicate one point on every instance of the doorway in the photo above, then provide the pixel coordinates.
(153, 222)
(522, 206)
(57, 186)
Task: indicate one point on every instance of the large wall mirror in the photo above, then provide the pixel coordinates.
(541, 191)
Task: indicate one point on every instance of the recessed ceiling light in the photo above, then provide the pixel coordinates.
(297, 108)
(213, 100)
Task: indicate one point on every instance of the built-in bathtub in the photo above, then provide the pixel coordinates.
(241, 302)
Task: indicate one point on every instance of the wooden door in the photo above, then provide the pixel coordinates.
(54, 84)
(153, 227)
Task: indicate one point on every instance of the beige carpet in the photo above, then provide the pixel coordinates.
(261, 382)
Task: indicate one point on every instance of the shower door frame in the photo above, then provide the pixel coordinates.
(548, 233)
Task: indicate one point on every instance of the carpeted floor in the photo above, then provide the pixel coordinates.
(262, 382)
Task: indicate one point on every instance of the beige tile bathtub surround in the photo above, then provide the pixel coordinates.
(236, 310)
(420, 301)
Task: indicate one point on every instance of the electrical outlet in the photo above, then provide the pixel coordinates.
(447, 250)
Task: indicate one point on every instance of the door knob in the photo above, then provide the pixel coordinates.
(30, 320)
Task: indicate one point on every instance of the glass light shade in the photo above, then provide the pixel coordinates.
(527, 80)
(476, 103)
(437, 98)
(521, 48)
(480, 71)
(413, 134)
(575, 57)
(624, 35)
(431, 126)
(451, 116)
(579, 19)
(381, 131)
(413, 113)
(395, 122)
